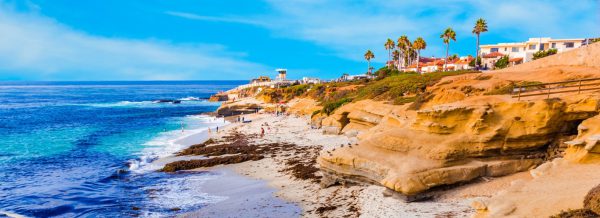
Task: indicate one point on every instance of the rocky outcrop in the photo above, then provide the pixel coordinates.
(354, 118)
(237, 109)
(303, 106)
(585, 148)
(414, 151)
(218, 97)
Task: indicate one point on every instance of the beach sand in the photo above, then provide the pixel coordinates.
(246, 197)
(336, 201)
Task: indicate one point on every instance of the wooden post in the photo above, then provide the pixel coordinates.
(548, 97)
(579, 90)
(519, 95)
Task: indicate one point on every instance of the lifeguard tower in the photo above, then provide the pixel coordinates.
(282, 74)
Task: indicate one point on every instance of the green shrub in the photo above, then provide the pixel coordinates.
(472, 63)
(404, 100)
(329, 107)
(314, 113)
(386, 72)
(546, 53)
(502, 62)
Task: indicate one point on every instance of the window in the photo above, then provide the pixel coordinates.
(531, 47)
(554, 45)
(493, 49)
(569, 44)
(515, 49)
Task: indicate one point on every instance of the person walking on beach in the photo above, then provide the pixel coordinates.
(217, 129)
(262, 132)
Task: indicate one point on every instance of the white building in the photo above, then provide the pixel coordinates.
(524, 50)
(309, 80)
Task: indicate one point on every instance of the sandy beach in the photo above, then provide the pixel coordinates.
(268, 177)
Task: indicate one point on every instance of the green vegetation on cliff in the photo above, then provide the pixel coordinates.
(389, 85)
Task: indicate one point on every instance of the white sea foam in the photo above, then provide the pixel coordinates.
(182, 192)
(189, 99)
(152, 104)
(168, 143)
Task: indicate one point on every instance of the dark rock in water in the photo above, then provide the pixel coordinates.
(167, 101)
(135, 208)
(175, 209)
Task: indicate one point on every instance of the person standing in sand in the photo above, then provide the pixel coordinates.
(262, 132)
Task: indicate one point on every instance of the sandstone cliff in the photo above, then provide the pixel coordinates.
(466, 129)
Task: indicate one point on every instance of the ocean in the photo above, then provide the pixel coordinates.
(84, 149)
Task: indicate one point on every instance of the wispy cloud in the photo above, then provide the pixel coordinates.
(213, 19)
(353, 27)
(37, 48)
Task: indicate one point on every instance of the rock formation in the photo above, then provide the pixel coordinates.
(461, 133)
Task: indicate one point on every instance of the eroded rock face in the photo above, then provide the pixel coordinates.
(304, 106)
(411, 152)
(355, 118)
(585, 148)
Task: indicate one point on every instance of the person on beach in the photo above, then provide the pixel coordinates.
(217, 129)
(181, 126)
(208, 130)
(262, 132)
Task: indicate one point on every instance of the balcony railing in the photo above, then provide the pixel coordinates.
(549, 89)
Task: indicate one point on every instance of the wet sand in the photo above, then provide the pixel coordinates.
(246, 197)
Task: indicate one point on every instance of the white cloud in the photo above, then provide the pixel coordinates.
(350, 28)
(38, 48)
(213, 19)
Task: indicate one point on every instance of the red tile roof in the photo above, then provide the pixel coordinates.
(515, 59)
(493, 55)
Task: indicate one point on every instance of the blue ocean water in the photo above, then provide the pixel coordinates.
(66, 148)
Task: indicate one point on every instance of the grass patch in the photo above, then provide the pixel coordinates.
(329, 107)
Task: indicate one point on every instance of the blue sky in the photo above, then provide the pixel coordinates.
(206, 40)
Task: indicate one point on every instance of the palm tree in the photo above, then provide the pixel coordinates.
(396, 56)
(403, 45)
(389, 45)
(454, 57)
(368, 56)
(418, 45)
(447, 36)
(480, 27)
